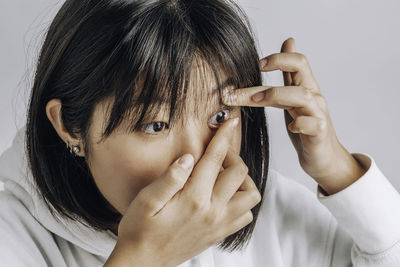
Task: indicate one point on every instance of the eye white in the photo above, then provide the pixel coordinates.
(154, 127)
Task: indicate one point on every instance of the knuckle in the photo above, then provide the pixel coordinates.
(308, 94)
(196, 205)
(146, 201)
(321, 124)
(243, 170)
(256, 196)
(143, 196)
(274, 59)
(275, 95)
(150, 205)
(249, 216)
(174, 176)
(302, 58)
(210, 218)
(321, 100)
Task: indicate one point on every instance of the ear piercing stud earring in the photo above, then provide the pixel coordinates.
(74, 149)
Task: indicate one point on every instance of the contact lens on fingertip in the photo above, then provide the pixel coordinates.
(235, 122)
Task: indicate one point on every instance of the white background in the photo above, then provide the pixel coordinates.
(352, 47)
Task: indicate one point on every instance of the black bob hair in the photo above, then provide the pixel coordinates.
(100, 49)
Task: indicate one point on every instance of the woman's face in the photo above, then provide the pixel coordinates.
(127, 162)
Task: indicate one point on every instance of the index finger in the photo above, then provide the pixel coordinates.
(206, 171)
(295, 63)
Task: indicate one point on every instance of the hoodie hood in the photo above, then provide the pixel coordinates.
(18, 180)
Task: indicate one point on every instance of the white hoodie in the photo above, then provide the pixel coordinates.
(295, 227)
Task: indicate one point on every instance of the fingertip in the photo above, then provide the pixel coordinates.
(186, 161)
(293, 43)
(230, 98)
(291, 39)
(230, 127)
(263, 63)
(288, 46)
(235, 122)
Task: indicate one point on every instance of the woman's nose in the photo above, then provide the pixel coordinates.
(194, 139)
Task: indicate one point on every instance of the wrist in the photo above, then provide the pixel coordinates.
(348, 170)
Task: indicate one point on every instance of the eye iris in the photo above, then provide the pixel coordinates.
(158, 126)
(220, 118)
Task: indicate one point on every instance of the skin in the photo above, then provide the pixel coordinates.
(125, 163)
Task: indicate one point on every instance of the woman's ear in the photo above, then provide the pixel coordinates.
(53, 112)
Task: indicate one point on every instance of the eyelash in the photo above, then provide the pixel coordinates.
(143, 127)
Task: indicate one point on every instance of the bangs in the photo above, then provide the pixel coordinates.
(172, 55)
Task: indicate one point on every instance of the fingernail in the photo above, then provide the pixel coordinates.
(186, 161)
(263, 63)
(258, 97)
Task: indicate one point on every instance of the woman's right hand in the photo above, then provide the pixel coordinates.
(175, 218)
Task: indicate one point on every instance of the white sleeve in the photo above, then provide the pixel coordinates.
(369, 212)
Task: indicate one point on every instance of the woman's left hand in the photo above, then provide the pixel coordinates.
(308, 123)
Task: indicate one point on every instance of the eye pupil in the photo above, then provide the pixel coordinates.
(220, 118)
(158, 126)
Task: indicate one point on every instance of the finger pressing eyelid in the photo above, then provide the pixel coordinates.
(229, 97)
(219, 144)
(243, 96)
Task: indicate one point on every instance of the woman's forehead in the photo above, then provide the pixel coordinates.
(205, 84)
(203, 87)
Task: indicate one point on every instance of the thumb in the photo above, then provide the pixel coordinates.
(156, 195)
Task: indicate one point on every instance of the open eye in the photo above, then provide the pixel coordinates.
(219, 117)
(154, 127)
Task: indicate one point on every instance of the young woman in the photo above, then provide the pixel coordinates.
(146, 144)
